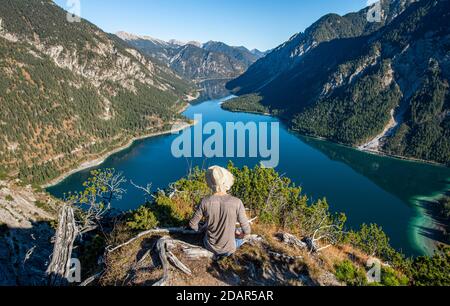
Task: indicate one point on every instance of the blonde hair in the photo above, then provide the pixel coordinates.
(219, 179)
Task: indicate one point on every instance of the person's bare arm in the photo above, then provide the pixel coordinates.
(243, 220)
(198, 216)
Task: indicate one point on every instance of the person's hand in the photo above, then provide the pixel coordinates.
(239, 234)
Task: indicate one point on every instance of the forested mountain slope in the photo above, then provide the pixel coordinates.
(386, 91)
(327, 28)
(69, 91)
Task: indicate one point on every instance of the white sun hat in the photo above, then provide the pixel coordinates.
(219, 179)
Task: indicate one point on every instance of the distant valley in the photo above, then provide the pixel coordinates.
(210, 65)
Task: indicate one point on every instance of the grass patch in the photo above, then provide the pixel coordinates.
(3, 175)
(41, 205)
(37, 188)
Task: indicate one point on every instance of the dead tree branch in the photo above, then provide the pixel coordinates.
(148, 193)
(161, 247)
(82, 213)
(166, 231)
(291, 240)
(91, 279)
(67, 232)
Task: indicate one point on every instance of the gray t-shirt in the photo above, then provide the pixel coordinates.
(221, 214)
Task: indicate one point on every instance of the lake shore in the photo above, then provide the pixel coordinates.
(410, 159)
(100, 160)
(360, 148)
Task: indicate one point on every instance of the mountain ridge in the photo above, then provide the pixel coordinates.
(368, 91)
(193, 60)
(82, 91)
(329, 27)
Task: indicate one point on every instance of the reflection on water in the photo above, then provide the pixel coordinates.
(404, 179)
(418, 185)
(213, 89)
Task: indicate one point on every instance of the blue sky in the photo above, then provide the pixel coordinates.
(262, 24)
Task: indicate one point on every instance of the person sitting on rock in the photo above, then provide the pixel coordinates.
(222, 212)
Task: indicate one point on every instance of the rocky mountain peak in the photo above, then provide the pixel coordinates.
(194, 60)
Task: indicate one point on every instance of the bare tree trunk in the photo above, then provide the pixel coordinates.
(165, 246)
(161, 246)
(67, 232)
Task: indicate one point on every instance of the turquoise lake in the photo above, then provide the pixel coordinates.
(367, 188)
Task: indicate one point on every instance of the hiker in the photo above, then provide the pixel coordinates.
(222, 212)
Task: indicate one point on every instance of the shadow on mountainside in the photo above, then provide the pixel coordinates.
(25, 254)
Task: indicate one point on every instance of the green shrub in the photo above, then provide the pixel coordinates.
(171, 212)
(268, 195)
(432, 271)
(9, 198)
(350, 274)
(176, 205)
(391, 278)
(142, 219)
(373, 240)
(277, 201)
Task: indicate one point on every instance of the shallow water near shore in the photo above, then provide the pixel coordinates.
(366, 187)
